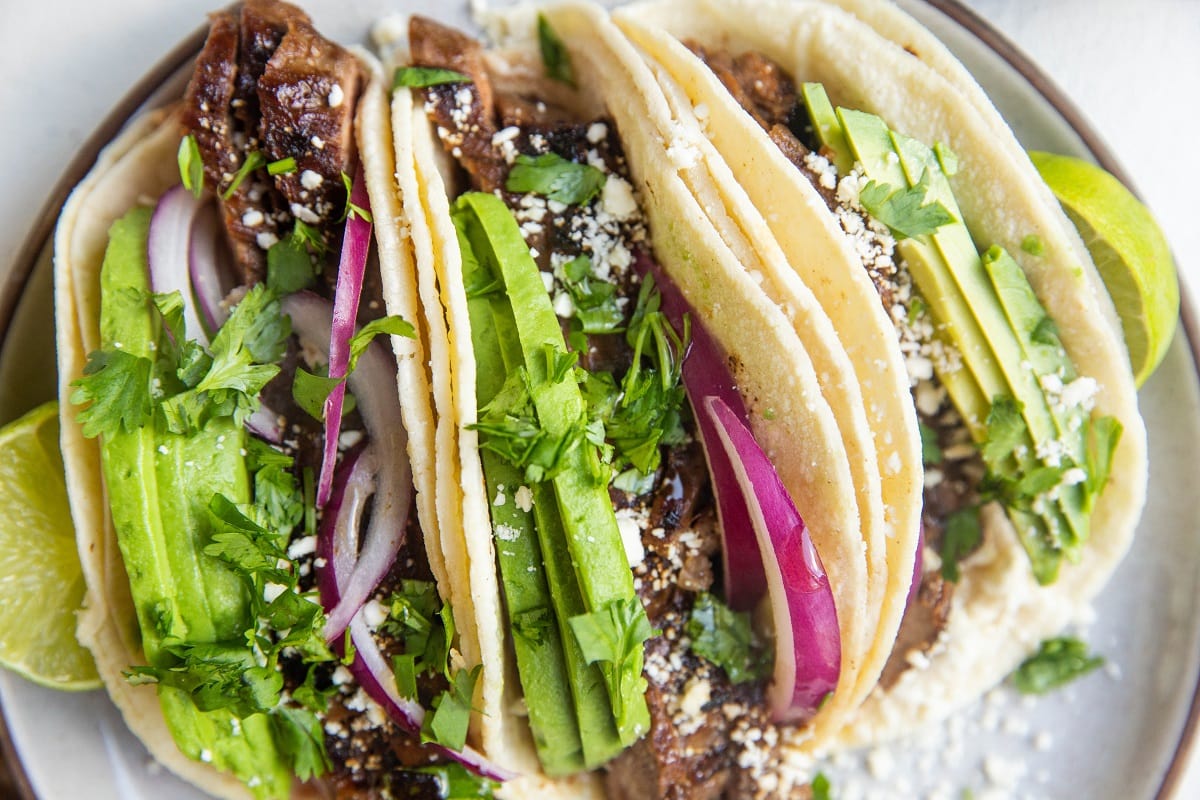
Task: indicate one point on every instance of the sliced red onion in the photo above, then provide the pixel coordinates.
(374, 386)
(266, 424)
(705, 375)
(167, 249)
(337, 550)
(211, 278)
(356, 242)
(808, 651)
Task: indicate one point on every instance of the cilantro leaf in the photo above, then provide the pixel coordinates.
(725, 638)
(595, 300)
(404, 667)
(1005, 430)
(116, 390)
(448, 723)
(289, 266)
(311, 391)
(1057, 662)
(820, 787)
(613, 636)
(421, 77)
(555, 178)
(191, 166)
(241, 541)
(960, 537)
(393, 325)
(931, 453)
(254, 160)
(455, 782)
(1046, 332)
(555, 58)
(533, 624)
(299, 735)
(352, 209)
(904, 211)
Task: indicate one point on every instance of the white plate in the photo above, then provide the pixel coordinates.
(1115, 734)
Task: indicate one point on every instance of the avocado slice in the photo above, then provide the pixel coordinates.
(827, 126)
(593, 542)
(158, 486)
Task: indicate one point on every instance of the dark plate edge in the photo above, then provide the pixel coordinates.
(38, 238)
(41, 235)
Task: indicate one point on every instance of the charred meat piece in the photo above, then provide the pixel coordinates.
(466, 110)
(758, 84)
(267, 82)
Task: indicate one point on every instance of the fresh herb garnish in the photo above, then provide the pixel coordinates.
(289, 266)
(820, 787)
(455, 782)
(725, 638)
(393, 325)
(421, 77)
(310, 391)
(116, 388)
(595, 300)
(301, 738)
(352, 209)
(448, 722)
(555, 58)
(961, 536)
(612, 636)
(1005, 429)
(283, 166)
(254, 160)
(931, 452)
(1046, 332)
(904, 211)
(555, 178)
(191, 166)
(1057, 662)
(1103, 435)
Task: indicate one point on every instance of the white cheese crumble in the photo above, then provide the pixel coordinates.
(507, 533)
(630, 523)
(253, 218)
(374, 613)
(524, 499)
(311, 180)
(336, 96)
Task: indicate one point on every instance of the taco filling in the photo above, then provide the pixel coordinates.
(238, 378)
(1004, 416)
(603, 513)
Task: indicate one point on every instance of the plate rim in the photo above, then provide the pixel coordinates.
(40, 237)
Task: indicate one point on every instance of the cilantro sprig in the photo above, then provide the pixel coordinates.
(904, 211)
(422, 77)
(612, 636)
(1057, 662)
(555, 178)
(725, 638)
(555, 58)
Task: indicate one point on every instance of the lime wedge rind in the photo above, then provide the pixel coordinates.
(41, 583)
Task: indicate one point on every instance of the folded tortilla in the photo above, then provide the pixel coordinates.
(792, 359)
(879, 60)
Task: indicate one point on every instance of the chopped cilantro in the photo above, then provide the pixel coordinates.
(1046, 332)
(191, 166)
(301, 738)
(254, 160)
(595, 300)
(533, 624)
(278, 501)
(1057, 662)
(455, 782)
(960, 537)
(447, 724)
(725, 638)
(555, 57)
(820, 787)
(1103, 436)
(311, 391)
(116, 388)
(1032, 244)
(404, 667)
(555, 178)
(283, 166)
(904, 211)
(1005, 429)
(420, 77)
(931, 453)
(613, 636)
(352, 209)
(393, 325)
(289, 265)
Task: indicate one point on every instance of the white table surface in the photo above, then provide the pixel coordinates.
(1132, 66)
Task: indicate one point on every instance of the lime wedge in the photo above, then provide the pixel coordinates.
(41, 584)
(1130, 252)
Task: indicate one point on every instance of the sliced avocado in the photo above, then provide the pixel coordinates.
(585, 509)
(158, 484)
(827, 126)
(537, 637)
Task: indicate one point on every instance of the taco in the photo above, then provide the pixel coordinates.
(890, 172)
(584, 291)
(250, 470)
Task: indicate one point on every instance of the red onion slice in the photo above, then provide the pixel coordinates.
(211, 279)
(705, 375)
(337, 550)
(266, 424)
(167, 249)
(374, 386)
(356, 242)
(808, 651)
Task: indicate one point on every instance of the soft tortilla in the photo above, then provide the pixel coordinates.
(136, 168)
(776, 373)
(999, 613)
